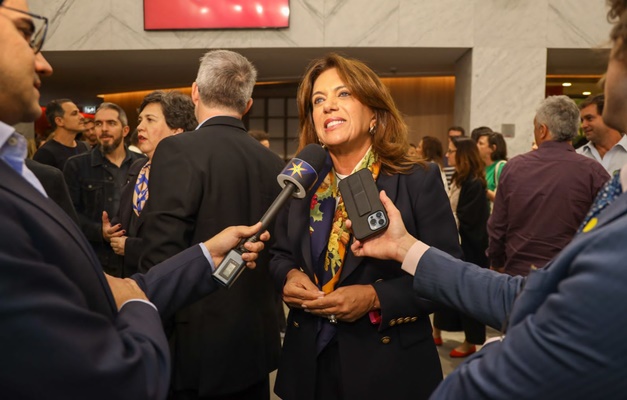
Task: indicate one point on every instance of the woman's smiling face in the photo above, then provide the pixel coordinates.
(341, 121)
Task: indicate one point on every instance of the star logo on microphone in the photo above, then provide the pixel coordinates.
(297, 169)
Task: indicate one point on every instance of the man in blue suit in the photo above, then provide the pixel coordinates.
(66, 330)
(563, 326)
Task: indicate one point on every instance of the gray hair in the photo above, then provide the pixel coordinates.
(560, 115)
(112, 106)
(226, 79)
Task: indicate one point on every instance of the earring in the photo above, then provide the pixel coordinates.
(372, 129)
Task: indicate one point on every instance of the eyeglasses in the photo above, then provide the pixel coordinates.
(449, 151)
(35, 34)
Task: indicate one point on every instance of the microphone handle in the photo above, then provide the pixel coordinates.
(233, 265)
(272, 212)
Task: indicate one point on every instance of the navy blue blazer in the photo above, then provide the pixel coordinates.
(397, 358)
(565, 335)
(61, 335)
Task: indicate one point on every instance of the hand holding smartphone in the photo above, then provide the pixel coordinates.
(361, 199)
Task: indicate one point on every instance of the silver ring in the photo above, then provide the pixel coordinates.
(332, 319)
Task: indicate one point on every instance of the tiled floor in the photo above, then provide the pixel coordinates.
(451, 340)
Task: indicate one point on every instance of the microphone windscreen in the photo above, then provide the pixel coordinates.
(303, 169)
(314, 155)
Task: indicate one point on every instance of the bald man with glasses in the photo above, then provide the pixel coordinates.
(67, 330)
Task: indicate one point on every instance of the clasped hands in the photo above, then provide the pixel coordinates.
(349, 303)
(346, 303)
(218, 247)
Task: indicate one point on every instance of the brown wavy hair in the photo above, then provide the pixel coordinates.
(617, 15)
(432, 149)
(468, 163)
(389, 141)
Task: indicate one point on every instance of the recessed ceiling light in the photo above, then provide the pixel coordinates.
(586, 93)
(567, 84)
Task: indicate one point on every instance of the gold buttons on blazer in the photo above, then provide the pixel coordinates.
(392, 322)
(400, 320)
(407, 319)
(385, 339)
(296, 324)
(414, 319)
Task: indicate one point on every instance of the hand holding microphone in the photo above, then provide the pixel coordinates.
(297, 178)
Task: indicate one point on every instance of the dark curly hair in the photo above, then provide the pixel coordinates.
(178, 109)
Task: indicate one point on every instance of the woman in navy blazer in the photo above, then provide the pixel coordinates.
(356, 330)
(161, 114)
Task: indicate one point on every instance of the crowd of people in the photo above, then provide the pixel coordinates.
(107, 254)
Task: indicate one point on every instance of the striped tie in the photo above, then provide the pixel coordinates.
(140, 195)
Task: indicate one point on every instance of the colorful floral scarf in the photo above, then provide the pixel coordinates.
(322, 228)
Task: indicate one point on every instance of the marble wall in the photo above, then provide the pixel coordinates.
(118, 25)
(500, 80)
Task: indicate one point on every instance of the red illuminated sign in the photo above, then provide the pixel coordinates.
(215, 14)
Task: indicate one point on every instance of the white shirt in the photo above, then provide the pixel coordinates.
(614, 159)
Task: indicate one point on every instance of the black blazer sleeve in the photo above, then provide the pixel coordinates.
(54, 184)
(174, 186)
(426, 212)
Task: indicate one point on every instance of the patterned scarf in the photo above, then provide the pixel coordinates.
(140, 194)
(333, 231)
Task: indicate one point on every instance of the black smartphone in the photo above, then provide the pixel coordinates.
(364, 208)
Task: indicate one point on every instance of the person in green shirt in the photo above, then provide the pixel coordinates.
(493, 151)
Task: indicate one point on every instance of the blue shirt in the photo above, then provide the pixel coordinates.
(13, 152)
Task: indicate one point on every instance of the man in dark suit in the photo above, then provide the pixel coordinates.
(201, 182)
(67, 332)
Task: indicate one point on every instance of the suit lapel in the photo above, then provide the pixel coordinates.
(390, 185)
(14, 183)
(299, 213)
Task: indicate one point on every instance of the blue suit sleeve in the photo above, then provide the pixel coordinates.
(565, 337)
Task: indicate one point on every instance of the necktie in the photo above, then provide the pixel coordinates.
(140, 195)
(605, 197)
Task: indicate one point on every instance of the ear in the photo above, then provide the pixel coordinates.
(58, 121)
(177, 131)
(195, 94)
(373, 121)
(248, 105)
(125, 131)
(544, 133)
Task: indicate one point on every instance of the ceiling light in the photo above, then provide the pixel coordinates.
(586, 93)
(567, 84)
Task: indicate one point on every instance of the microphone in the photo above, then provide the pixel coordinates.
(296, 179)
